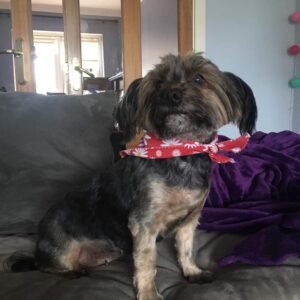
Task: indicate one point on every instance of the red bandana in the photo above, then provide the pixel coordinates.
(151, 147)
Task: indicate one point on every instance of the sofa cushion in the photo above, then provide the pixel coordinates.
(114, 281)
(48, 146)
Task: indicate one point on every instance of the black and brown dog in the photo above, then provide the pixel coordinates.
(137, 200)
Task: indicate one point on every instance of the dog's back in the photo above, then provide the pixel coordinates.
(84, 230)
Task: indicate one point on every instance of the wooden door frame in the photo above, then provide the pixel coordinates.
(131, 33)
(131, 40)
(131, 37)
(21, 19)
(72, 41)
(199, 13)
(185, 26)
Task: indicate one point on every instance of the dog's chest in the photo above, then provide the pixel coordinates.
(171, 205)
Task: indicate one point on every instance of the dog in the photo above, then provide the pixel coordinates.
(138, 200)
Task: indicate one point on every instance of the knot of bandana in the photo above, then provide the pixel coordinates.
(151, 147)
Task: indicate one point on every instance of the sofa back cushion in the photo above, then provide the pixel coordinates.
(49, 145)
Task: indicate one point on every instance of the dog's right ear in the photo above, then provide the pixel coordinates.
(125, 111)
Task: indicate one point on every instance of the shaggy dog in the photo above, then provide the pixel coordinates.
(182, 101)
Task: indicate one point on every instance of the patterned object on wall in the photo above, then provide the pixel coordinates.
(294, 49)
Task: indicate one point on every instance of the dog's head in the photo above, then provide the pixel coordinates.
(186, 97)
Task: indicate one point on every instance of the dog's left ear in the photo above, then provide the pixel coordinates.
(246, 102)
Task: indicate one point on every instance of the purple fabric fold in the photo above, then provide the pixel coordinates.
(260, 195)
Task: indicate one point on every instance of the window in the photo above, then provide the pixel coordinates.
(92, 53)
(50, 59)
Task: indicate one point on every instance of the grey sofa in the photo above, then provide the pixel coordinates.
(53, 144)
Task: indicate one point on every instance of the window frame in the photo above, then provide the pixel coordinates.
(40, 36)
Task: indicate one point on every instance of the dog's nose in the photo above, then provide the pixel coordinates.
(175, 96)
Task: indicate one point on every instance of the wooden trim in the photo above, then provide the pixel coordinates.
(21, 15)
(131, 33)
(199, 25)
(185, 25)
(72, 39)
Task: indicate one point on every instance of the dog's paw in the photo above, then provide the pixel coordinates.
(150, 296)
(202, 277)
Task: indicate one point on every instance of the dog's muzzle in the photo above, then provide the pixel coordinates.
(177, 122)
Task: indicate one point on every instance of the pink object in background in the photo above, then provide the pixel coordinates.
(295, 17)
(294, 50)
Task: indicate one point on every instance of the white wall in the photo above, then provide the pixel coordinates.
(250, 39)
(159, 31)
(296, 112)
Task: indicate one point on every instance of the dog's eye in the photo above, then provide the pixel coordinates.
(198, 79)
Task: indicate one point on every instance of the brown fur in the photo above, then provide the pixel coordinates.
(172, 209)
(87, 253)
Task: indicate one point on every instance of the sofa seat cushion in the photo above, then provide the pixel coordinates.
(49, 145)
(114, 281)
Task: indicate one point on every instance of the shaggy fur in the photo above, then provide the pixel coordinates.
(138, 200)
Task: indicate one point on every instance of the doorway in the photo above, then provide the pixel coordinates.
(129, 60)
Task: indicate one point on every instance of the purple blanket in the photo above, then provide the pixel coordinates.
(259, 194)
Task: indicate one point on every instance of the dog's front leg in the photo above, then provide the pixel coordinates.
(184, 245)
(144, 256)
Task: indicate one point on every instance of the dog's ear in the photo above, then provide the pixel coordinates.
(125, 111)
(246, 102)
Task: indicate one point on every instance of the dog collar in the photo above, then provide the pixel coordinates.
(151, 147)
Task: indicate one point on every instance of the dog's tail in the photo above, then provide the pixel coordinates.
(20, 262)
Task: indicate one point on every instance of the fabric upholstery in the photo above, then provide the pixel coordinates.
(114, 281)
(49, 145)
(52, 144)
